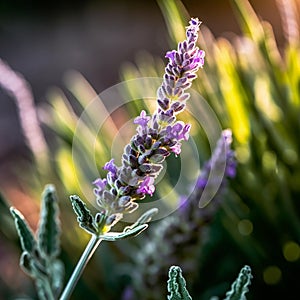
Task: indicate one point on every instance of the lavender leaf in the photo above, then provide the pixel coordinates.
(177, 285)
(49, 227)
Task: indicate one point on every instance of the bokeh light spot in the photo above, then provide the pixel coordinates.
(291, 251)
(242, 154)
(245, 227)
(290, 156)
(272, 275)
(269, 161)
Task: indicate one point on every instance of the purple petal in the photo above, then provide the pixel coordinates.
(146, 187)
(111, 167)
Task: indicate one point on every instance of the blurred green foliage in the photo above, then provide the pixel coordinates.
(254, 89)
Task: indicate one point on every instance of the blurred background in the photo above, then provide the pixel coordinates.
(44, 41)
(109, 41)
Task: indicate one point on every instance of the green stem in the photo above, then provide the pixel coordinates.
(83, 261)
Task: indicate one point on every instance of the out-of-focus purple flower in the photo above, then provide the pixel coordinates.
(183, 200)
(231, 164)
(216, 171)
(157, 136)
(17, 86)
(201, 182)
(128, 294)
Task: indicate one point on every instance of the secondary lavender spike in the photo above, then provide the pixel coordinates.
(222, 163)
(179, 237)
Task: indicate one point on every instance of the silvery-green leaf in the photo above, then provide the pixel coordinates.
(58, 272)
(147, 216)
(49, 226)
(84, 216)
(240, 286)
(144, 218)
(25, 233)
(177, 285)
(31, 265)
(114, 236)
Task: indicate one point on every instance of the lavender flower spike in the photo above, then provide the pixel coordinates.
(157, 136)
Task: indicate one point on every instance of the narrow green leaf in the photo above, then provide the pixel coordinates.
(240, 286)
(147, 216)
(84, 216)
(177, 285)
(133, 230)
(249, 21)
(114, 236)
(31, 265)
(144, 218)
(176, 15)
(25, 233)
(49, 227)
